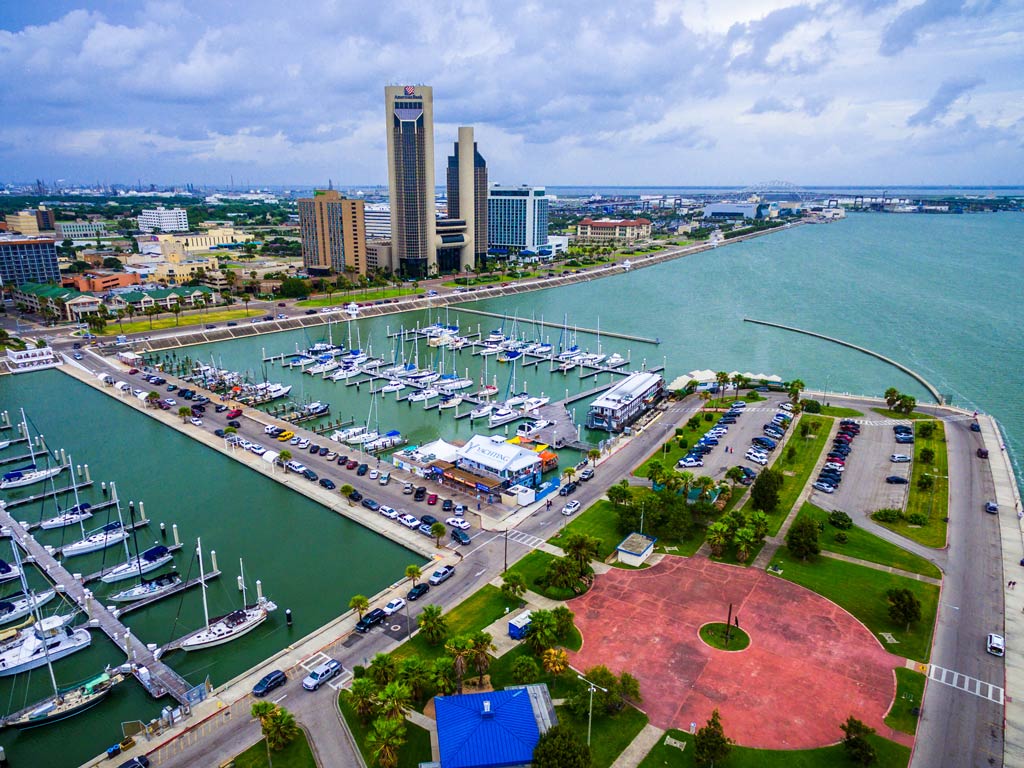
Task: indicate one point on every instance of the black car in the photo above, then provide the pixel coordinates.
(566, 489)
(896, 480)
(362, 469)
(235, 424)
(219, 432)
(421, 493)
(447, 505)
(324, 450)
(327, 483)
(268, 683)
(460, 537)
(428, 519)
(417, 592)
(310, 311)
(370, 620)
(975, 426)
(314, 448)
(355, 496)
(310, 475)
(136, 762)
(220, 408)
(342, 461)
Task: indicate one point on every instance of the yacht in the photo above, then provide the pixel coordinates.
(342, 435)
(147, 588)
(567, 365)
(107, 536)
(49, 639)
(323, 366)
(614, 360)
(27, 475)
(344, 373)
(530, 429)
(384, 442)
(495, 337)
(148, 561)
(488, 349)
(450, 401)
(423, 395)
(19, 604)
(393, 386)
(502, 415)
(453, 384)
(508, 355)
(363, 437)
(76, 514)
(593, 359)
(516, 401)
(481, 411)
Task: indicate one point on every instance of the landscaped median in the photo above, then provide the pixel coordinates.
(297, 754)
(167, 320)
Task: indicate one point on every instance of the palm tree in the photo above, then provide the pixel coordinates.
(736, 381)
(569, 473)
(280, 729)
(706, 484)
(284, 456)
(581, 549)
(543, 631)
(176, 311)
(795, 388)
(151, 399)
(363, 697)
(513, 585)
(655, 472)
(434, 624)
(383, 669)
(758, 523)
(384, 741)
(437, 530)
(120, 319)
(461, 651)
(555, 661)
(393, 700)
(718, 538)
(413, 572)
(594, 454)
(483, 646)
(723, 381)
(415, 673)
(734, 475)
(359, 604)
(185, 412)
(245, 300)
(443, 675)
(262, 710)
(705, 396)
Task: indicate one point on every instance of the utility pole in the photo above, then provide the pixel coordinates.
(590, 717)
(506, 551)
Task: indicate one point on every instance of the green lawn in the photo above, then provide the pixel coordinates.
(559, 685)
(416, 749)
(599, 520)
(339, 298)
(726, 402)
(890, 755)
(609, 734)
(933, 503)
(796, 471)
(475, 612)
(861, 591)
(166, 320)
(909, 692)
(295, 755)
(867, 546)
(839, 412)
(905, 416)
(714, 634)
(533, 567)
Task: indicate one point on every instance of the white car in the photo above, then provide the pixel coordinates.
(690, 462)
(258, 449)
(409, 521)
(458, 522)
(374, 474)
(197, 422)
(170, 401)
(388, 512)
(995, 644)
(244, 444)
(394, 606)
(459, 510)
(836, 467)
(899, 458)
(303, 443)
(786, 406)
(295, 466)
(757, 458)
(571, 508)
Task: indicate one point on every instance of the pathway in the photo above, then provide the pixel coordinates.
(638, 748)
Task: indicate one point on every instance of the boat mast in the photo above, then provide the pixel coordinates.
(78, 504)
(35, 609)
(202, 581)
(28, 437)
(241, 571)
(117, 505)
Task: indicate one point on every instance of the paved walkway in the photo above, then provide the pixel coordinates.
(426, 723)
(638, 748)
(879, 567)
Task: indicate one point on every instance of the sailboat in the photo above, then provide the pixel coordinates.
(224, 629)
(106, 536)
(8, 572)
(165, 582)
(29, 474)
(65, 702)
(423, 395)
(18, 605)
(76, 514)
(146, 562)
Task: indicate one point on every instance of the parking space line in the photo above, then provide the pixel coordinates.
(311, 662)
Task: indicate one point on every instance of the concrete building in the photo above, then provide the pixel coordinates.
(28, 259)
(69, 305)
(377, 217)
(409, 116)
(164, 219)
(517, 220)
(613, 230)
(380, 255)
(31, 359)
(100, 282)
(23, 222)
(165, 245)
(624, 403)
(731, 211)
(71, 230)
(467, 199)
(333, 233)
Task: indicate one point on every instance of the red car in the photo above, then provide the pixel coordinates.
(352, 464)
(132, 371)
(234, 413)
(432, 498)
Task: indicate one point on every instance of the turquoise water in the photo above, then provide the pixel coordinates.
(939, 294)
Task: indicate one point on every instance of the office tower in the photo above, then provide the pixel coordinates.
(467, 198)
(25, 259)
(164, 219)
(517, 219)
(409, 115)
(333, 233)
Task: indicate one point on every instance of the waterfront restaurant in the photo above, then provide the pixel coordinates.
(624, 403)
(487, 465)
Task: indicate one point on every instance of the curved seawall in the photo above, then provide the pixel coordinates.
(932, 390)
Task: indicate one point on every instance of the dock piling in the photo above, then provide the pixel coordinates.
(213, 559)
(259, 590)
(163, 530)
(174, 530)
(63, 458)
(288, 616)
(142, 510)
(78, 470)
(103, 487)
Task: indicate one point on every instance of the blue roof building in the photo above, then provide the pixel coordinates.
(497, 729)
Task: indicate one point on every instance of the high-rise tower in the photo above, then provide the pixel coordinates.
(333, 233)
(467, 197)
(409, 112)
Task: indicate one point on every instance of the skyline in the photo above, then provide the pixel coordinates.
(663, 94)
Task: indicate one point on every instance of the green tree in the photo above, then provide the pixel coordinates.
(892, 396)
(734, 475)
(513, 585)
(280, 729)
(560, 747)
(904, 607)
(460, 649)
(743, 538)
(795, 388)
(619, 494)
(758, 522)
(415, 673)
(443, 675)
(434, 624)
(185, 413)
(563, 621)
(393, 700)
(710, 744)
(383, 669)
(802, 538)
(655, 472)
(855, 741)
(151, 312)
(764, 494)
(363, 697)
(927, 455)
(346, 490)
(483, 646)
(524, 670)
(594, 454)
(359, 604)
(385, 741)
(414, 573)
(722, 378)
(563, 573)
(906, 404)
(437, 530)
(581, 549)
(718, 537)
(543, 632)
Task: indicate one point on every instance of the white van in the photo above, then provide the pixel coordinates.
(995, 645)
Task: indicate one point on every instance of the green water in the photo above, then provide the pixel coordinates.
(284, 538)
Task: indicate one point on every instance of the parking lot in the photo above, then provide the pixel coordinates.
(864, 489)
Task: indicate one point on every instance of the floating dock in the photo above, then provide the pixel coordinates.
(183, 586)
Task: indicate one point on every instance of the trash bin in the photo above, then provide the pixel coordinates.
(113, 751)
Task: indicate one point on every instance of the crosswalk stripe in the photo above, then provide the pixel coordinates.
(967, 684)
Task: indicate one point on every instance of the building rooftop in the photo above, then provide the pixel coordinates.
(636, 544)
(614, 222)
(8, 238)
(626, 390)
(163, 293)
(50, 291)
(501, 456)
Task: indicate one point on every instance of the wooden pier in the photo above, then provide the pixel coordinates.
(547, 324)
(185, 585)
(47, 494)
(155, 676)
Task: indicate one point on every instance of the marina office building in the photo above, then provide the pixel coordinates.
(517, 220)
(333, 233)
(624, 403)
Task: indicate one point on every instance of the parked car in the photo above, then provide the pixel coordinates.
(571, 508)
(460, 537)
(690, 461)
(975, 426)
(992, 507)
(824, 487)
(388, 512)
(421, 493)
(442, 575)
(362, 469)
(432, 499)
(417, 592)
(982, 453)
(371, 504)
(234, 413)
(995, 644)
(447, 505)
(409, 521)
(457, 522)
(899, 458)
(268, 683)
(394, 606)
(321, 674)
(370, 620)
(896, 480)
(355, 496)
(586, 474)
(327, 483)
(567, 489)
(310, 475)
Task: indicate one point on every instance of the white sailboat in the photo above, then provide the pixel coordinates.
(29, 474)
(108, 535)
(231, 626)
(9, 572)
(19, 604)
(393, 386)
(450, 401)
(423, 395)
(76, 514)
(147, 588)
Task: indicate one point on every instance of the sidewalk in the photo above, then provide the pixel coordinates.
(638, 748)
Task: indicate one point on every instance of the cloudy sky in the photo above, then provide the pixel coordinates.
(670, 92)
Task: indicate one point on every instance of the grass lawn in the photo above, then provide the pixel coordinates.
(533, 567)
(674, 453)
(931, 503)
(840, 413)
(727, 402)
(913, 416)
(559, 685)
(796, 471)
(714, 635)
(295, 755)
(861, 591)
(909, 692)
(357, 296)
(599, 520)
(866, 546)
(475, 612)
(166, 320)
(890, 755)
(416, 749)
(609, 734)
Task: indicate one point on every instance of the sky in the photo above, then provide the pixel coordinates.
(561, 92)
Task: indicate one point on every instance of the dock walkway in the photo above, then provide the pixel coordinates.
(155, 676)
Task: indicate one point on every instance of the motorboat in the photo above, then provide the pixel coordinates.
(450, 401)
(147, 588)
(323, 367)
(342, 435)
(593, 359)
(393, 386)
(502, 415)
(487, 390)
(533, 403)
(385, 441)
(9, 572)
(107, 536)
(508, 355)
(148, 561)
(567, 365)
(544, 349)
(19, 604)
(423, 395)
(530, 429)
(47, 640)
(75, 514)
(65, 702)
(481, 411)
(518, 400)
(488, 349)
(363, 437)
(495, 337)
(571, 353)
(613, 360)
(344, 374)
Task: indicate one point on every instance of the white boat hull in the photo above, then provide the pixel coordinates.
(132, 568)
(141, 592)
(30, 654)
(30, 478)
(22, 607)
(219, 633)
(93, 543)
(63, 521)
(11, 575)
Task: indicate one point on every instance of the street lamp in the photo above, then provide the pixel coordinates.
(590, 717)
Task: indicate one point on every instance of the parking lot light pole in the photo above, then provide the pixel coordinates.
(590, 717)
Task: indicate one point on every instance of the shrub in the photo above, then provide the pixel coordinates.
(805, 429)
(917, 518)
(925, 483)
(790, 453)
(358, 671)
(684, 443)
(887, 515)
(709, 417)
(680, 431)
(840, 520)
(927, 455)
(810, 406)
(841, 538)
(925, 429)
